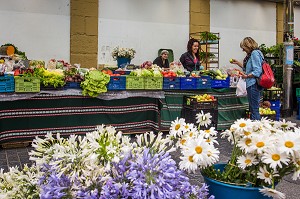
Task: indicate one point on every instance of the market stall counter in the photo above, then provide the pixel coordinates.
(24, 116)
(31, 115)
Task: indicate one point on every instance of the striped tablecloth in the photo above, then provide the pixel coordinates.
(22, 120)
(230, 107)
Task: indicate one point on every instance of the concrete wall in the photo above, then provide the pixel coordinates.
(41, 28)
(143, 25)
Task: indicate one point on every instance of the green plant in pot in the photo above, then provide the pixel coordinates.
(208, 36)
(206, 56)
(263, 153)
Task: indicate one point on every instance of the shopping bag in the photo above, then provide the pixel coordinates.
(241, 88)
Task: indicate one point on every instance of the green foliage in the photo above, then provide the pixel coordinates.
(95, 83)
(272, 51)
(206, 56)
(204, 36)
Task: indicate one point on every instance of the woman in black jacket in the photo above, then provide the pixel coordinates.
(162, 60)
(191, 59)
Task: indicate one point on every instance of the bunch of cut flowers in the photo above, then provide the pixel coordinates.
(263, 152)
(123, 52)
(104, 164)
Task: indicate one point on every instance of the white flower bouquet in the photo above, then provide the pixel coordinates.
(263, 152)
(123, 52)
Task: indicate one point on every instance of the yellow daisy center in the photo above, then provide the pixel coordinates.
(183, 141)
(289, 144)
(246, 133)
(267, 175)
(247, 161)
(191, 134)
(248, 141)
(209, 154)
(177, 127)
(198, 149)
(298, 162)
(207, 131)
(242, 125)
(260, 144)
(186, 126)
(207, 140)
(191, 159)
(203, 118)
(276, 157)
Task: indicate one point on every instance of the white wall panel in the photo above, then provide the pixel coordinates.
(143, 25)
(41, 28)
(235, 20)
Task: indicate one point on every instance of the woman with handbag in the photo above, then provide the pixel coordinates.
(252, 66)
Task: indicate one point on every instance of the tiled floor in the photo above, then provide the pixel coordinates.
(14, 157)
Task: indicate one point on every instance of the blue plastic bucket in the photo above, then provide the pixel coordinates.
(122, 62)
(227, 191)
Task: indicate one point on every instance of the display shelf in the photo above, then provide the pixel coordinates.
(209, 51)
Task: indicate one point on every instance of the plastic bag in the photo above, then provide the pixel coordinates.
(241, 88)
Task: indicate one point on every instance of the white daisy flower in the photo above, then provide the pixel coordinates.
(246, 160)
(187, 163)
(274, 158)
(209, 132)
(245, 144)
(285, 125)
(289, 143)
(265, 175)
(198, 149)
(272, 193)
(242, 125)
(177, 127)
(212, 158)
(260, 143)
(203, 119)
(212, 140)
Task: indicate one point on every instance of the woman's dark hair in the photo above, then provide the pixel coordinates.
(190, 44)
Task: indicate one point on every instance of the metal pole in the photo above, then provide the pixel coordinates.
(288, 58)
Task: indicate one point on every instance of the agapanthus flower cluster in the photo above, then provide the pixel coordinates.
(268, 150)
(101, 165)
(123, 52)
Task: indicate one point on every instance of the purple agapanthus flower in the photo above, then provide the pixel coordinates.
(54, 186)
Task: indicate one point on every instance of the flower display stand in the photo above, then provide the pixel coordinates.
(123, 61)
(229, 191)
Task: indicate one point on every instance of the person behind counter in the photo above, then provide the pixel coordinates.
(191, 59)
(162, 60)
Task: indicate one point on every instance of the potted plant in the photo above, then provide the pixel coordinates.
(123, 56)
(208, 37)
(263, 153)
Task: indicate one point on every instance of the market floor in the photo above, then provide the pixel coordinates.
(19, 156)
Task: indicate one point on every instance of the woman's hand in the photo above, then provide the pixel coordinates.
(234, 61)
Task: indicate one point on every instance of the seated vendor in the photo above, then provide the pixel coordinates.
(191, 59)
(162, 61)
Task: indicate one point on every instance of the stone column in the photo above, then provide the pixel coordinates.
(199, 16)
(84, 33)
(279, 22)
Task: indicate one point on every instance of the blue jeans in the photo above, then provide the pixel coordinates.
(254, 93)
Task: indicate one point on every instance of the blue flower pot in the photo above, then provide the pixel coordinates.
(122, 62)
(223, 190)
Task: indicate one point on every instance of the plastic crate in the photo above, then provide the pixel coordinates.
(27, 84)
(117, 83)
(203, 82)
(122, 72)
(72, 85)
(171, 83)
(188, 83)
(134, 83)
(270, 116)
(191, 102)
(216, 83)
(190, 116)
(275, 103)
(297, 92)
(153, 83)
(272, 94)
(7, 84)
